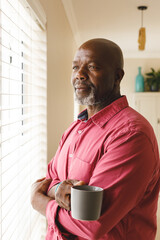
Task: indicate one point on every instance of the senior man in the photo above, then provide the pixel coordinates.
(111, 146)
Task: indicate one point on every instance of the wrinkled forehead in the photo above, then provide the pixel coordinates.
(92, 54)
(101, 50)
(86, 53)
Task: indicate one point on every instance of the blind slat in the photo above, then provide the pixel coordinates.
(22, 118)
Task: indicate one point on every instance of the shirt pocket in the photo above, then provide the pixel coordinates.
(80, 170)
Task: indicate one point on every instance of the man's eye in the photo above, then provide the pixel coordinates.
(92, 67)
(75, 67)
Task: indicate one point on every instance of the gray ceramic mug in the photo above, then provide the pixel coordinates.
(86, 202)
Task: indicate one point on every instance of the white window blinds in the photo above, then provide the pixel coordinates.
(22, 119)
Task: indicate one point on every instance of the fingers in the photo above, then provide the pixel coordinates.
(44, 178)
(41, 179)
(63, 193)
(64, 202)
(65, 187)
(80, 183)
(41, 185)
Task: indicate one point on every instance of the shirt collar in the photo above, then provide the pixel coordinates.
(83, 115)
(104, 115)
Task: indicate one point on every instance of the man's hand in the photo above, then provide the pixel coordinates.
(63, 193)
(39, 198)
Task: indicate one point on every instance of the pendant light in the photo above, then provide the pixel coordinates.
(142, 30)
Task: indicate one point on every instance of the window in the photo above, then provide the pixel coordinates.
(22, 119)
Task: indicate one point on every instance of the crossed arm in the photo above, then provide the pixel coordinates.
(127, 172)
(40, 196)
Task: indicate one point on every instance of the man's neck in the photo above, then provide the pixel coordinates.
(93, 109)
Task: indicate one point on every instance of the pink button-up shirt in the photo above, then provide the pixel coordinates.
(115, 149)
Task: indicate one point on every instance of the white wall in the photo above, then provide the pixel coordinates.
(131, 70)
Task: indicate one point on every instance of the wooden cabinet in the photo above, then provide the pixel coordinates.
(148, 104)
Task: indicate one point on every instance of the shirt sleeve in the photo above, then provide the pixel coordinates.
(124, 172)
(52, 166)
(51, 173)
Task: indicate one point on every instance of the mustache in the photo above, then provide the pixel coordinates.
(85, 84)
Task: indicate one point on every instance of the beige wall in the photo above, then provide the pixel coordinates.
(158, 221)
(61, 48)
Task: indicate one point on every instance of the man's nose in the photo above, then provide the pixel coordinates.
(81, 74)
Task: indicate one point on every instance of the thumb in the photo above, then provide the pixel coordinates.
(80, 183)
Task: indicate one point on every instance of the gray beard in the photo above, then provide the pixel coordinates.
(88, 100)
(91, 99)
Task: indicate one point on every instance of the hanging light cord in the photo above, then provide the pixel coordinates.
(141, 18)
(142, 8)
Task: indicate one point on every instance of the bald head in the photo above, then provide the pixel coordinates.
(97, 72)
(107, 49)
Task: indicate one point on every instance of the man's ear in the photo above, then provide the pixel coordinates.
(119, 74)
(118, 78)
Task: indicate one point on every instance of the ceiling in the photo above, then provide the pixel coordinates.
(117, 20)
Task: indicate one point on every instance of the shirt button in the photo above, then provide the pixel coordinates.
(51, 227)
(79, 131)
